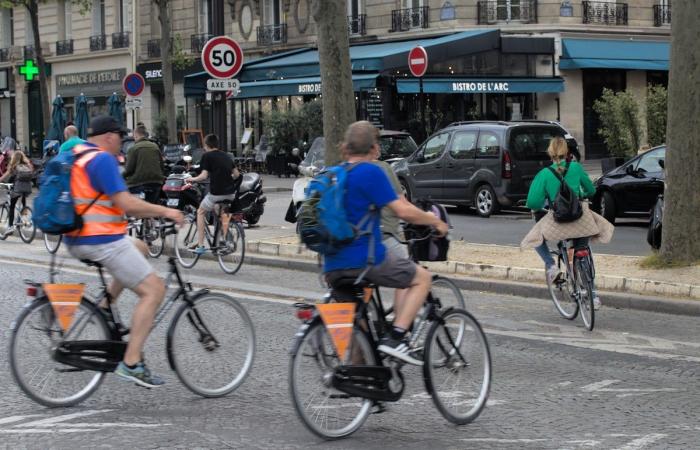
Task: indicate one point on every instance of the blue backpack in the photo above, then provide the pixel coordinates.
(54, 209)
(322, 222)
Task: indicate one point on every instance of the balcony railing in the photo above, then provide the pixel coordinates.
(662, 15)
(64, 47)
(406, 19)
(605, 13)
(98, 42)
(272, 34)
(120, 39)
(356, 25)
(4, 54)
(491, 11)
(197, 41)
(28, 52)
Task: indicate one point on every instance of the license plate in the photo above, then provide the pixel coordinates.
(173, 201)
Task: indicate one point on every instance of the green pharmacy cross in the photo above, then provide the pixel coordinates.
(29, 70)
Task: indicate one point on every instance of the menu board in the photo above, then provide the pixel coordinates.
(373, 107)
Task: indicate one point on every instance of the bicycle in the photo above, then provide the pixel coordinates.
(346, 390)
(23, 216)
(78, 358)
(148, 230)
(227, 244)
(52, 242)
(572, 291)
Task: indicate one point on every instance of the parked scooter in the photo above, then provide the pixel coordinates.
(312, 164)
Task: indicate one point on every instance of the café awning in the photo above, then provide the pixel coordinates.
(614, 54)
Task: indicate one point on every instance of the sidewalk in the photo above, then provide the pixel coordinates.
(614, 273)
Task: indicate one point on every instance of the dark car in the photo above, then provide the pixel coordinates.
(633, 188)
(394, 146)
(482, 164)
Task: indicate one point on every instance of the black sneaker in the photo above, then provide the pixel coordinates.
(399, 349)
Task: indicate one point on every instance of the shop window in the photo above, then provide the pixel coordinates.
(463, 145)
(488, 146)
(434, 147)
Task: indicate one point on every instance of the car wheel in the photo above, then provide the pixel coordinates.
(485, 201)
(405, 189)
(607, 207)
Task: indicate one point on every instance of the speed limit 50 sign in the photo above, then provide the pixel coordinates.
(222, 57)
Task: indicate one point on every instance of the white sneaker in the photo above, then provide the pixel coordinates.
(552, 274)
(597, 303)
(9, 230)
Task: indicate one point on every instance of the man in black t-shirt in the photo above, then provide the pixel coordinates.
(223, 173)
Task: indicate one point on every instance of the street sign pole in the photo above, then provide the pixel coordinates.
(219, 102)
(418, 65)
(422, 106)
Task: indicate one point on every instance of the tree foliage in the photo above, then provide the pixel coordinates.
(620, 124)
(287, 129)
(657, 108)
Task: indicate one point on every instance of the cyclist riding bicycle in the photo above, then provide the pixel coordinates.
(143, 172)
(19, 172)
(102, 199)
(368, 190)
(544, 188)
(225, 180)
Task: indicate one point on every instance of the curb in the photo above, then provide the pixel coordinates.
(619, 291)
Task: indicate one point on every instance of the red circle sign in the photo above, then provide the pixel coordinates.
(133, 84)
(222, 57)
(418, 61)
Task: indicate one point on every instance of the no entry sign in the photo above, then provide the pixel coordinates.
(418, 61)
(222, 57)
(133, 84)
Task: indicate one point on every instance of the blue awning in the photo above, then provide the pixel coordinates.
(299, 86)
(614, 54)
(480, 85)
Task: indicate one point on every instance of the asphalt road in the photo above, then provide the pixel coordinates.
(633, 383)
(505, 228)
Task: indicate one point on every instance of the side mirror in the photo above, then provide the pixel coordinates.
(662, 164)
(630, 170)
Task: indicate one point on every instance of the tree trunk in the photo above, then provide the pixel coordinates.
(33, 10)
(167, 65)
(681, 226)
(338, 98)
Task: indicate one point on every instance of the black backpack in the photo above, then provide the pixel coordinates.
(566, 205)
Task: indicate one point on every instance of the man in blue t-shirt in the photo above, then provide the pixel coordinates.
(102, 240)
(368, 189)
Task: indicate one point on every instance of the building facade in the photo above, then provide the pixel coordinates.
(489, 59)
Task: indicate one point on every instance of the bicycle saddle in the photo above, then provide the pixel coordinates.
(91, 263)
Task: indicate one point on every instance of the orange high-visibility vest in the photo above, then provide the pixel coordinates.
(103, 217)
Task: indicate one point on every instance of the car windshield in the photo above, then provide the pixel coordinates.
(397, 146)
(530, 143)
(315, 155)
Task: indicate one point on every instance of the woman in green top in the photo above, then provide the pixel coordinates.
(545, 187)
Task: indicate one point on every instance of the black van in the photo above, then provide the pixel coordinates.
(482, 163)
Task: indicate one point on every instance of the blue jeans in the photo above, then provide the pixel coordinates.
(543, 250)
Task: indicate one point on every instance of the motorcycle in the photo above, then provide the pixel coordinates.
(312, 164)
(251, 199)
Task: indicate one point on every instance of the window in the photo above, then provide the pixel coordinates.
(203, 16)
(6, 35)
(123, 20)
(396, 147)
(649, 162)
(98, 17)
(488, 146)
(463, 145)
(28, 30)
(434, 147)
(64, 12)
(354, 8)
(508, 10)
(531, 143)
(272, 14)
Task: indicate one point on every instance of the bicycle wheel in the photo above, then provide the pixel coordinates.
(152, 236)
(35, 333)
(448, 293)
(25, 223)
(561, 291)
(584, 282)
(52, 242)
(231, 251)
(457, 372)
(325, 411)
(211, 345)
(3, 219)
(185, 236)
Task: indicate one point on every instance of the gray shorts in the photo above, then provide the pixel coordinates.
(121, 259)
(393, 272)
(395, 247)
(209, 201)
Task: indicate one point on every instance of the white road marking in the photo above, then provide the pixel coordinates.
(12, 419)
(642, 441)
(114, 425)
(601, 386)
(52, 421)
(504, 441)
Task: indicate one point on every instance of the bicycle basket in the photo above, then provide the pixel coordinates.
(432, 248)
